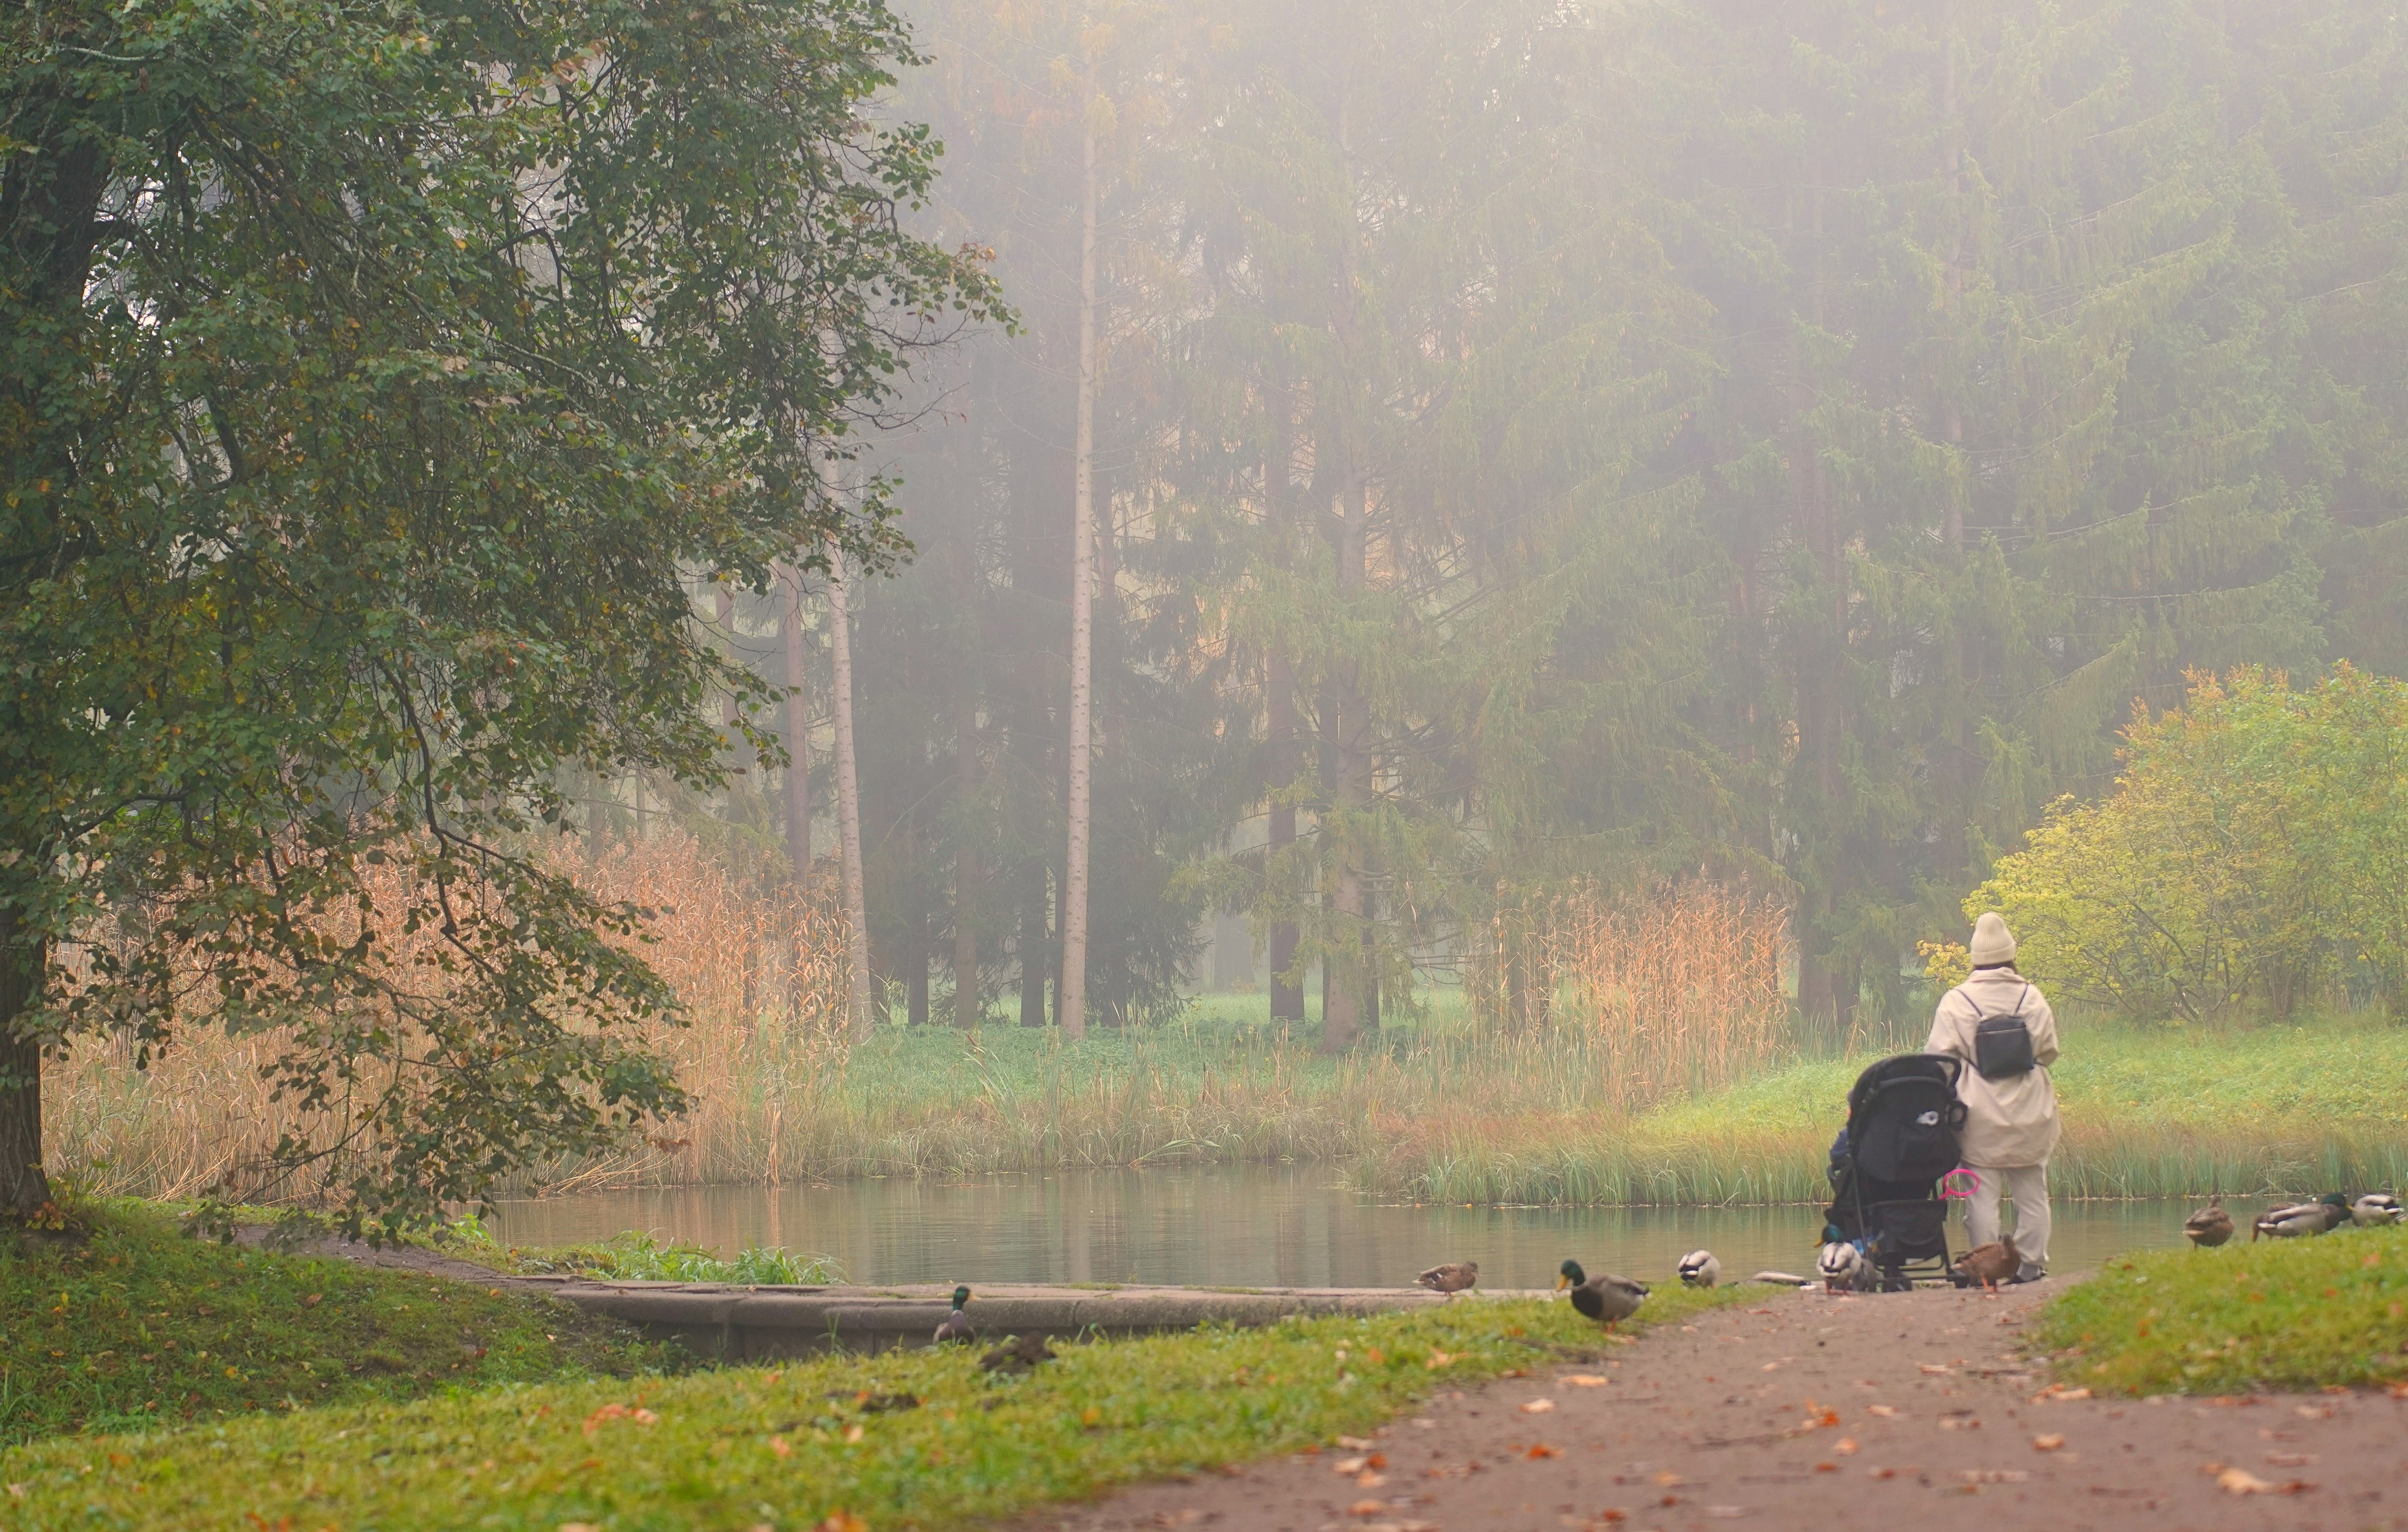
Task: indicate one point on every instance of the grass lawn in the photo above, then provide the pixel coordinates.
(2288, 1314)
(788, 1447)
(134, 1326)
(2274, 1110)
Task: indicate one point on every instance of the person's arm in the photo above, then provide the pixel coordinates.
(2042, 1022)
(1944, 1030)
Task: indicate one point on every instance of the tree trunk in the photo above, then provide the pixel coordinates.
(1035, 961)
(1341, 1020)
(24, 1187)
(1082, 589)
(847, 802)
(798, 727)
(966, 873)
(1287, 991)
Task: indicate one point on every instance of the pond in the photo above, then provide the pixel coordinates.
(1230, 1226)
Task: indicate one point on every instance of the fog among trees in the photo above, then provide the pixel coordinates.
(1540, 442)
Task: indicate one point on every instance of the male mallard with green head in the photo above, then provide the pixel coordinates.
(2377, 1208)
(2322, 1216)
(1605, 1297)
(957, 1326)
(2210, 1226)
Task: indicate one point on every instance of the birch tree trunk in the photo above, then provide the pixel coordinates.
(1082, 580)
(798, 730)
(848, 802)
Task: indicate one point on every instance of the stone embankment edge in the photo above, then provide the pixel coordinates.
(745, 1323)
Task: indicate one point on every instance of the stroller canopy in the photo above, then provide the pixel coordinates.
(1904, 1119)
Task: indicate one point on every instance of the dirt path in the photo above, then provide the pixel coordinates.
(1808, 1410)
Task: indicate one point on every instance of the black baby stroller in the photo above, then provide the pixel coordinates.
(1903, 1120)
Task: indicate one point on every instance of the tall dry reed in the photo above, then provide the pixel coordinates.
(1675, 990)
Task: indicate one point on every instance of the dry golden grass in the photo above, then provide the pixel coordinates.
(1649, 1000)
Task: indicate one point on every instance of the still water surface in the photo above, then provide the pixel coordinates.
(1230, 1226)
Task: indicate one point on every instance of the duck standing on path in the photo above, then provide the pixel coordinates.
(1698, 1268)
(1844, 1268)
(1990, 1263)
(1605, 1297)
(2377, 1208)
(1454, 1277)
(2210, 1226)
(957, 1327)
(2289, 1221)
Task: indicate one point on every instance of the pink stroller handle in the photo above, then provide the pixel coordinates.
(1950, 1186)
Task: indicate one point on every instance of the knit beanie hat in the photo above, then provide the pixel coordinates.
(1992, 943)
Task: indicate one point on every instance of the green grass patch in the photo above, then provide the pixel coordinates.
(2278, 1314)
(125, 1322)
(2148, 1113)
(636, 1256)
(787, 1446)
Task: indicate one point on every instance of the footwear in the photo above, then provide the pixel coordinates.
(2028, 1272)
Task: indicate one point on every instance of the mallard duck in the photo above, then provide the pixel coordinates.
(1605, 1297)
(1842, 1267)
(1698, 1268)
(1021, 1354)
(2376, 1207)
(1455, 1277)
(2210, 1226)
(1990, 1263)
(2289, 1221)
(957, 1326)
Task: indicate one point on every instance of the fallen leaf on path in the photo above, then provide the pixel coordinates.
(1587, 1379)
(2313, 1411)
(1668, 1479)
(1884, 1411)
(2056, 1391)
(1369, 1479)
(2290, 1460)
(1727, 1513)
(1355, 1444)
(1350, 1466)
(2242, 1481)
(1367, 1508)
(1538, 1407)
(2048, 1443)
(1994, 1476)
(1827, 1468)
(1845, 1446)
(1771, 1367)
(1881, 1473)
(1542, 1450)
(1937, 1369)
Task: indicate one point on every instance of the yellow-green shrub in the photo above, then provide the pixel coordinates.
(2255, 851)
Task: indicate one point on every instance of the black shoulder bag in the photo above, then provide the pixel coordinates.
(2002, 1045)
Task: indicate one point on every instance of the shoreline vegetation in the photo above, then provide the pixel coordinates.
(1434, 1111)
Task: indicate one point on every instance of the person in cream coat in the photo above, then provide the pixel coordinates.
(2000, 1023)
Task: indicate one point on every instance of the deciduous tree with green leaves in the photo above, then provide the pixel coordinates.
(373, 376)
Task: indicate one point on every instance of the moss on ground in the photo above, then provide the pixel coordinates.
(2279, 1314)
(123, 1323)
(789, 1447)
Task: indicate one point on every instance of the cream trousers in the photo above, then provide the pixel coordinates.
(2027, 1187)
